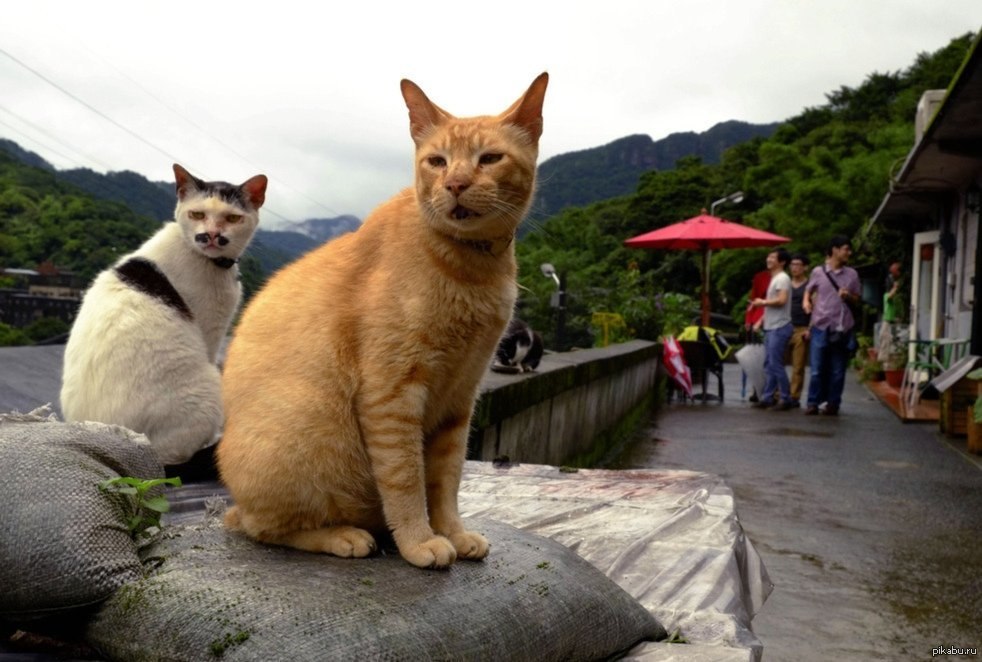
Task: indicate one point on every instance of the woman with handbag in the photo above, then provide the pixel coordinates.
(831, 290)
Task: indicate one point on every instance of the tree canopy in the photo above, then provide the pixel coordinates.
(823, 172)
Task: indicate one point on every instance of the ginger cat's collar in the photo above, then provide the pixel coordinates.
(493, 247)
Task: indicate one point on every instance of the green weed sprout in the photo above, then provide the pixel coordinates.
(143, 517)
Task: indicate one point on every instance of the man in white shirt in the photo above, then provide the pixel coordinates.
(777, 333)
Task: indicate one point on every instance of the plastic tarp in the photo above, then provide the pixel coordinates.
(751, 360)
(671, 539)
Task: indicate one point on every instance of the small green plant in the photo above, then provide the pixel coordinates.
(977, 409)
(143, 517)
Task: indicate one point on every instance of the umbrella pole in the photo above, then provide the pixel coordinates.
(705, 287)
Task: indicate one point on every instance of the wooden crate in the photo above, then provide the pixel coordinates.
(954, 402)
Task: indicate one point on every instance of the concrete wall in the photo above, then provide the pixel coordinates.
(573, 409)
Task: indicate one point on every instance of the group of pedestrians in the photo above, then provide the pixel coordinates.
(813, 316)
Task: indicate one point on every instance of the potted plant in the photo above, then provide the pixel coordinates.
(872, 371)
(896, 360)
(974, 423)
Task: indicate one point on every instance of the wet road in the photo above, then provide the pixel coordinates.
(871, 529)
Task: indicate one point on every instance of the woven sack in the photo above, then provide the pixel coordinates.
(64, 543)
(219, 594)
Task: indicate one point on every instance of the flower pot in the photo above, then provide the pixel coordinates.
(895, 378)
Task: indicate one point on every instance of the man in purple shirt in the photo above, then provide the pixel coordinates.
(830, 290)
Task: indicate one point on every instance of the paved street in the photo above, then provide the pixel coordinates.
(871, 529)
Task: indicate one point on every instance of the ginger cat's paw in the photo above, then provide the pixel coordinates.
(348, 542)
(470, 545)
(437, 552)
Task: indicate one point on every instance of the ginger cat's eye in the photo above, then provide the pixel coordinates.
(233, 218)
(196, 215)
(437, 161)
(488, 159)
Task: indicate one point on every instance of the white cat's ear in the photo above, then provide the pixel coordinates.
(527, 111)
(186, 182)
(423, 113)
(255, 189)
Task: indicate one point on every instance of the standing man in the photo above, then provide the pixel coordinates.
(777, 332)
(800, 321)
(884, 342)
(830, 290)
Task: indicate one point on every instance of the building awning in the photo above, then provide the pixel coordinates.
(948, 156)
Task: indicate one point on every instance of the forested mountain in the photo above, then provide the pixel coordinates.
(44, 219)
(144, 201)
(579, 178)
(322, 229)
(822, 172)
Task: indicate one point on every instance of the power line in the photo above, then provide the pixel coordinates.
(40, 130)
(98, 112)
(211, 135)
(92, 108)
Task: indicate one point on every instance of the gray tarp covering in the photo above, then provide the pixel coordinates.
(671, 539)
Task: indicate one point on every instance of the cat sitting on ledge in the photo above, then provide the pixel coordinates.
(143, 349)
(351, 379)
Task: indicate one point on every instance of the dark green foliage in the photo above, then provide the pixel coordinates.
(153, 199)
(43, 219)
(821, 173)
(45, 329)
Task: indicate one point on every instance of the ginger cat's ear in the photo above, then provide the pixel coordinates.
(423, 113)
(185, 182)
(527, 111)
(255, 188)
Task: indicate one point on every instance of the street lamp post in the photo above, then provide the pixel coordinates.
(557, 301)
(735, 198)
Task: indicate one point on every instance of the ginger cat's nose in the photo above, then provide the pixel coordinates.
(457, 185)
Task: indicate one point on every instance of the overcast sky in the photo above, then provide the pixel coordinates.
(308, 92)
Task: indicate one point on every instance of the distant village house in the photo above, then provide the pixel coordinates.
(44, 292)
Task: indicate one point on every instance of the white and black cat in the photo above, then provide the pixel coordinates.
(519, 350)
(142, 352)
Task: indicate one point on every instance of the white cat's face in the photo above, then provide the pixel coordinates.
(214, 227)
(218, 219)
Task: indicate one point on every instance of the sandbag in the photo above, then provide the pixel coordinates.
(220, 594)
(64, 543)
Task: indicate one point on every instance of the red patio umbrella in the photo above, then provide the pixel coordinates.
(705, 233)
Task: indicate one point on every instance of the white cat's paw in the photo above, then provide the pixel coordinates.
(437, 552)
(349, 542)
(470, 545)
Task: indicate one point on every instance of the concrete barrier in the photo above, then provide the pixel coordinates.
(571, 411)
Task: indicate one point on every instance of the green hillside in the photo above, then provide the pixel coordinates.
(44, 219)
(823, 172)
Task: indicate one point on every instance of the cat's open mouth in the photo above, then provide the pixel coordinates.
(460, 213)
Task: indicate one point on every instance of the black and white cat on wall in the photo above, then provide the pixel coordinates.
(143, 350)
(519, 350)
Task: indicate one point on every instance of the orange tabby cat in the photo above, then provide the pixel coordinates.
(351, 379)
